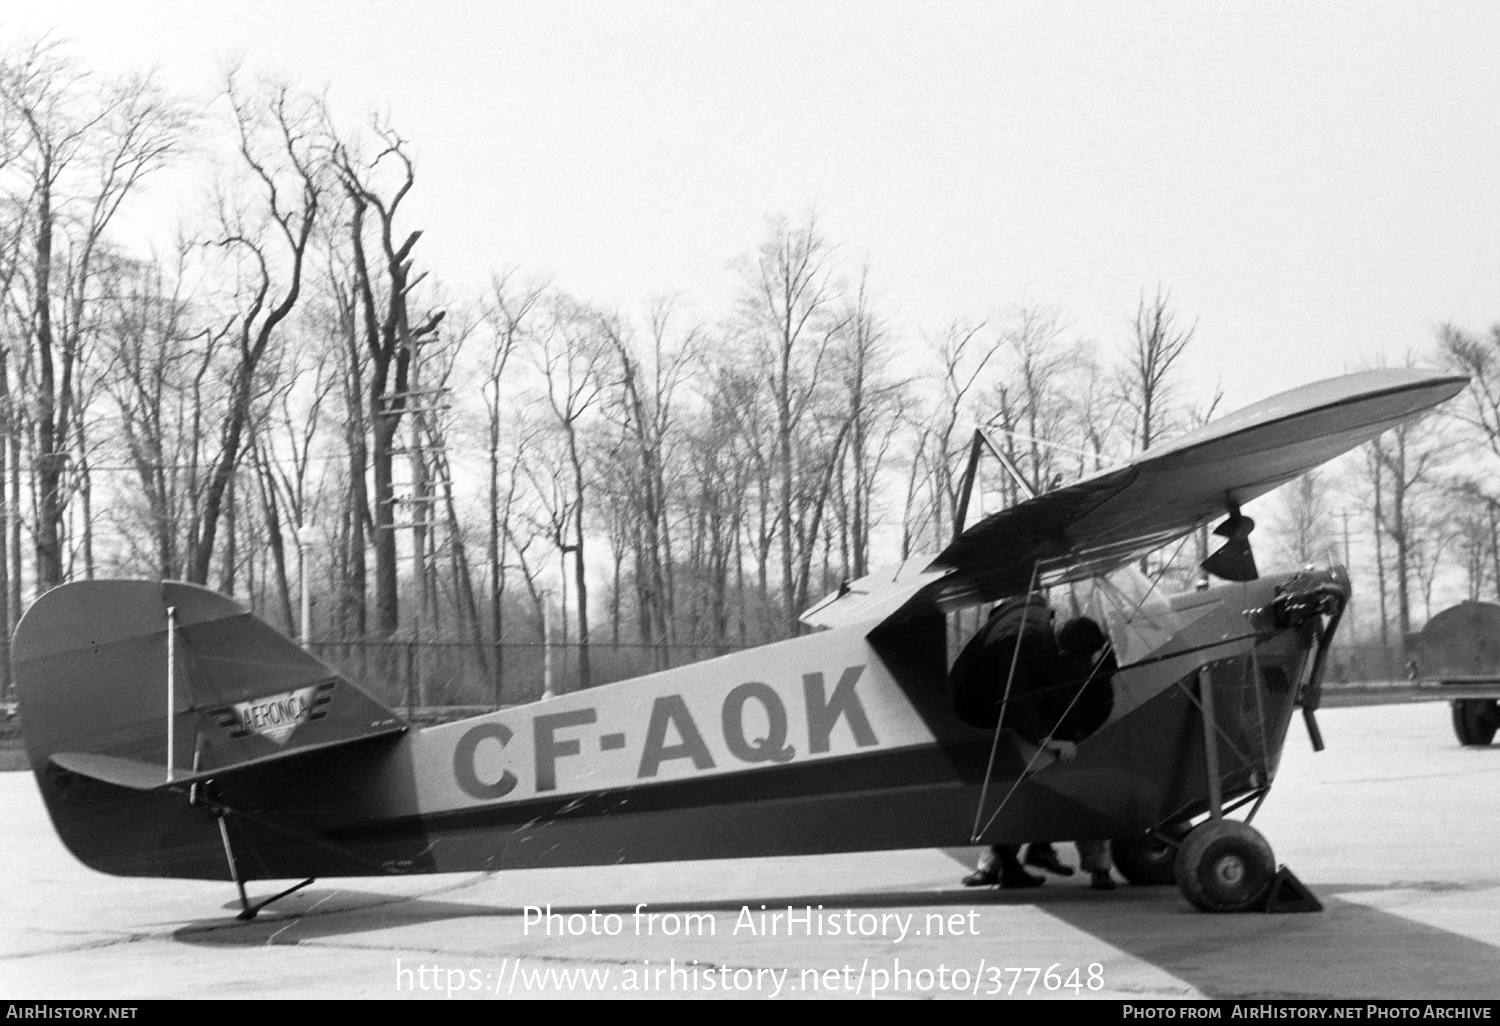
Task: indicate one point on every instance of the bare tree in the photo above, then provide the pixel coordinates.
(571, 350)
(1479, 358)
(742, 415)
(283, 447)
(160, 370)
(1474, 514)
(790, 318)
(437, 425)
(875, 406)
(715, 503)
(389, 331)
(1305, 529)
(12, 319)
(644, 411)
(507, 314)
(1407, 461)
(1157, 343)
(915, 512)
(1097, 408)
(963, 356)
(1032, 403)
(277, 141)
(82, 149)
(355, 520)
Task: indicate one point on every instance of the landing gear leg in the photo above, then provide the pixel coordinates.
(1225, 865)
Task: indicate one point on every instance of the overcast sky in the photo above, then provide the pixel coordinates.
(1316, 183)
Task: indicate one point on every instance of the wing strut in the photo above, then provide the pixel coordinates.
(1027, 771)
(1211, 743)
(977, 445)
(171, 690)
(1010, 677)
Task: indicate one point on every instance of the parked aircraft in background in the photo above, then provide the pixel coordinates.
(1458, 652)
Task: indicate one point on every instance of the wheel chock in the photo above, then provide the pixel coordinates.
(1288, 894)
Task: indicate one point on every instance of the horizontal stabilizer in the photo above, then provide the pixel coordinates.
(150, 776)
(131, 773)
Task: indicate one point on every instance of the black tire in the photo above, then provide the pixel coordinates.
(1475, 720)
(1146, 861)
(1225, 866)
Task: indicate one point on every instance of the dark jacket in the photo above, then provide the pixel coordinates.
(979, 673)
(1055, 692)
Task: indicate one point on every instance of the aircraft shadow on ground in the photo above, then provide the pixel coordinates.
(1348, 950)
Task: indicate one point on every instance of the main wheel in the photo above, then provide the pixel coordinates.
(1225, 866)
(1145, 859)
(1475, 720)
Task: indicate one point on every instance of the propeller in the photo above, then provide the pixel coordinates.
(1233, 561)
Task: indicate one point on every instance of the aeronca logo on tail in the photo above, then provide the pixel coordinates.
(274, 717)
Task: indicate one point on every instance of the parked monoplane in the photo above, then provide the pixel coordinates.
(1457, 656)
(173, 733)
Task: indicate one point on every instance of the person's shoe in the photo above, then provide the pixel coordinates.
(1102, 881)
(982, 878)
(1044, 856)
(1013, 879)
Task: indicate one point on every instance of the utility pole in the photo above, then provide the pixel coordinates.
(1349, 607)
(418, 404)
(306, 536)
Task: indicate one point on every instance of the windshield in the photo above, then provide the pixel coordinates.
(1131, 609)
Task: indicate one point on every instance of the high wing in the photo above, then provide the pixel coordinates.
(1107, 520)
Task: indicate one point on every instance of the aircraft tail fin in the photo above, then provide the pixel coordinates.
(99, 664)
(94, 662)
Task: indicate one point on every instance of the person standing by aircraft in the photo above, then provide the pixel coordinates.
(1087, 663)
(978, 678)
(1059, 694)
